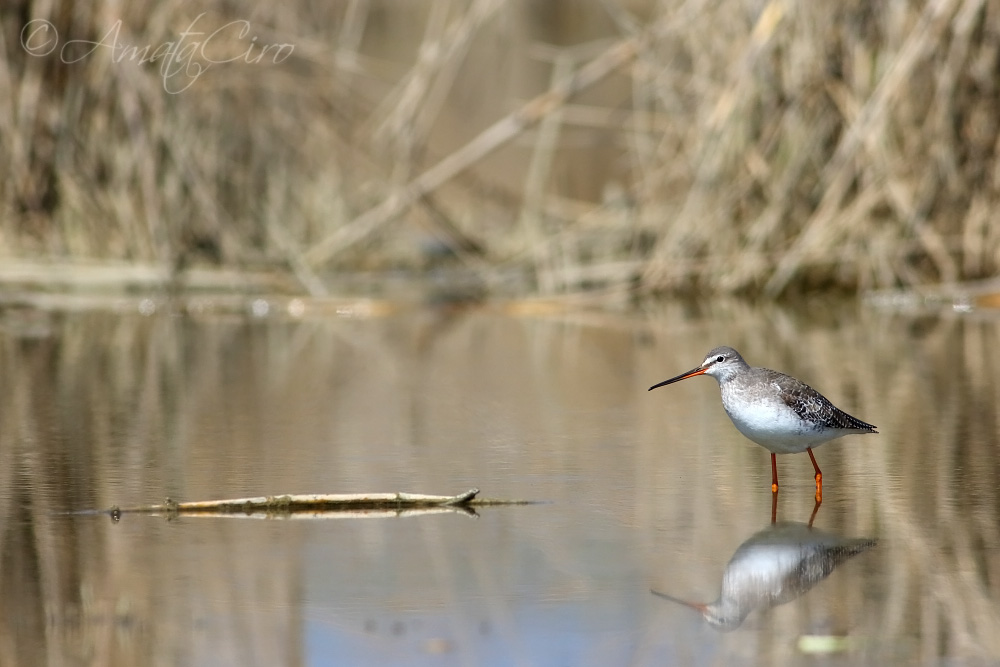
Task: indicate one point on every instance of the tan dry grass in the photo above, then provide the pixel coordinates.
(768, 146)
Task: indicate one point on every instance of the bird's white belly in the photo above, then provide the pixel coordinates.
(775, 426)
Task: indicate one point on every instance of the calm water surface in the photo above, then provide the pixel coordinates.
(644, 491)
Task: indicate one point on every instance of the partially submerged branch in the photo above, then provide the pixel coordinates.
(366, 504)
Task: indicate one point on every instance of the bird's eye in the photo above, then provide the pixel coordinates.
(719, 359)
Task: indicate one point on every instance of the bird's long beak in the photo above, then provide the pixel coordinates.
(683, 376)
(693, 605)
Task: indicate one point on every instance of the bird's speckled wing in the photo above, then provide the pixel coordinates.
(813, 407)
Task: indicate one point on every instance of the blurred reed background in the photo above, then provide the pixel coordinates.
(762, 146)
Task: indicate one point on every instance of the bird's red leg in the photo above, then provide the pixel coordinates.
(819, 476)
(774, 473)
(774, 507)
(812, 517)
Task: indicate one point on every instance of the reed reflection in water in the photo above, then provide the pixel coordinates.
(647, 492)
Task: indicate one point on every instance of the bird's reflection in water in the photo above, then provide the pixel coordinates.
(775, 566)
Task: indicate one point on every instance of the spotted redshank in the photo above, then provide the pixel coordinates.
(778, 412)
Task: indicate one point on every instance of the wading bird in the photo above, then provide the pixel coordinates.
(778, 412)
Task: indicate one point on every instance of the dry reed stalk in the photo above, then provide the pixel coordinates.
(485, 143)
(536, 180)
(351, 32)
(407, 113)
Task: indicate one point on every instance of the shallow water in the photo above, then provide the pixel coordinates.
(644, 491)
